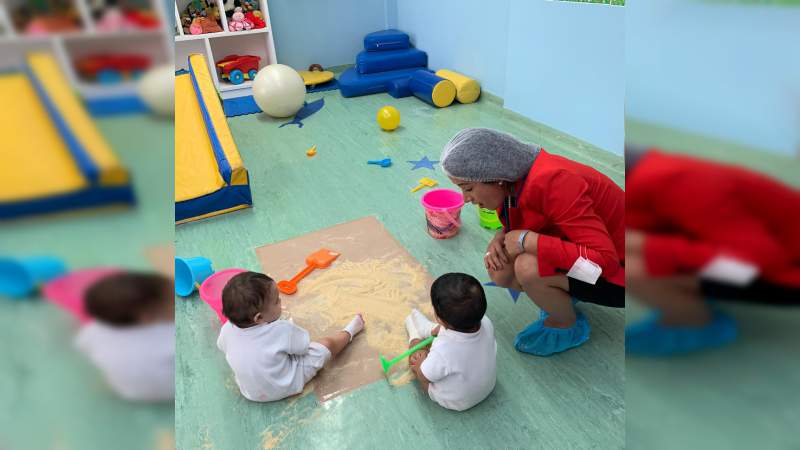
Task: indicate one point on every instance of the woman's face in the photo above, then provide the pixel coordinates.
(485, 195)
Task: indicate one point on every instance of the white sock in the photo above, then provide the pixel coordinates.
(411, 328)
(355, 326)
(424, 325)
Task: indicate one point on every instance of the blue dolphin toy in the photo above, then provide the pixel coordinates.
(307, 110)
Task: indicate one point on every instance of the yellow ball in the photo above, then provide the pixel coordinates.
(388, 118)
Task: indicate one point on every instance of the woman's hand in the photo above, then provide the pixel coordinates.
(496, 257)
(511, 242)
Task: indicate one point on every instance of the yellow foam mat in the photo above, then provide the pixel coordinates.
(215, 111)
(46, 69)
(315, 77)
(196, 172)
(34, 161)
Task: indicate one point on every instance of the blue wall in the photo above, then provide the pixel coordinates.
(330, 33)
(726, 71)
(468, 36)
(558, 63)
(565, 68)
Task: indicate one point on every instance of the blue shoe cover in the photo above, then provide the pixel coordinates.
(540, 340)
(649, 338)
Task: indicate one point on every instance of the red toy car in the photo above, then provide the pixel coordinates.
(106, 68)
(237, 68)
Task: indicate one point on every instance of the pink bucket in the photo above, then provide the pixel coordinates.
(69, 292)
(211, 290)
(443, 212)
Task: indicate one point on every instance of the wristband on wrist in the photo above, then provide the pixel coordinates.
(521, 241)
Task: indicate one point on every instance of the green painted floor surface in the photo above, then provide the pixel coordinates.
(572, 400)
(718, 399)
(50, 396)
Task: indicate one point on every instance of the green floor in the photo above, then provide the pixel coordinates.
(573, 400)
(50, 396)
(716, 400)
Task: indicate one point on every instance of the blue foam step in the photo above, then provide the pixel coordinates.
(353, 84)
(386, 40)
(374, 62)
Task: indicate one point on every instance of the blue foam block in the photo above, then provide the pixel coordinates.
(240, 106)
(386, 40)
(101, 107)
(374, 62)
(353, 84)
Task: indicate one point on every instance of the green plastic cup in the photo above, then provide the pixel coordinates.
(489, 219)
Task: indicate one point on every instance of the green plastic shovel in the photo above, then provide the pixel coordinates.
(387, 364)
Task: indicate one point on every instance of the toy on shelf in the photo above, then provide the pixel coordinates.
(320, 259)
(237, 68)
(115, 18)
(388, 118)
(256, 18)
(201, 17)
(238, 22)
(41, 18)
(243, 15)
(110, 69)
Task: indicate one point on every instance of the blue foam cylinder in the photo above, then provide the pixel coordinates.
(374, 62)
(432, 89)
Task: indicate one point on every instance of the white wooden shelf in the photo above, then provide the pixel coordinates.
(194, 37)
(215, 46)
(70, 46)
(225, 86)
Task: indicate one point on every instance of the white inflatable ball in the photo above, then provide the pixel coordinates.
(157, 89)
(279, 90)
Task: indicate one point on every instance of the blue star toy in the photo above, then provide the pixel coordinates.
(424, 162)
(513, 292)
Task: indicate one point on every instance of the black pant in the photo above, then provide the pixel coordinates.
(601, 293)
(759, 291)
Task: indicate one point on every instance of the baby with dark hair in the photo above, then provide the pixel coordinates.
(458, 370)
(132, 337)
(271, 358)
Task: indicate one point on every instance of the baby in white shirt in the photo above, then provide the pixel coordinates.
(132, 337)
(458, 370)
(271, 358)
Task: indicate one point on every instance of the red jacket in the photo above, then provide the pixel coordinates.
(570, 204)
(693, 210)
